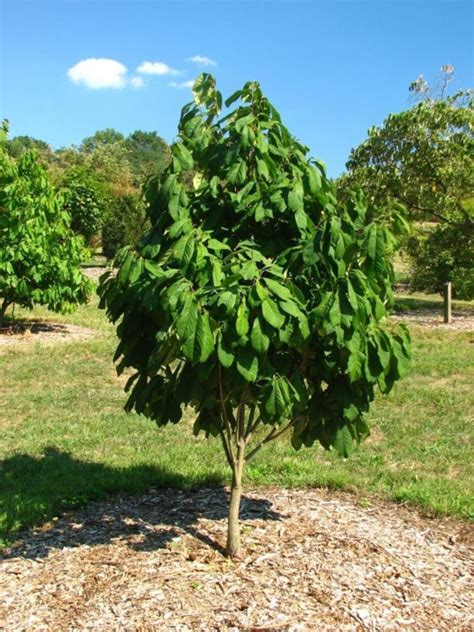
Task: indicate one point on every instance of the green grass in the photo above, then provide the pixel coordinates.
(66, 439)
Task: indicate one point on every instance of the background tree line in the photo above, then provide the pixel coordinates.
(101, 180)
(420, 160)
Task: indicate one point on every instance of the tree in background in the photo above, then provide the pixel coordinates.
(423, 159)
(39, 254)
(148, 154)
(86, 200)
(124, 223)
(17, 146)
(254, 297)
(101, 139)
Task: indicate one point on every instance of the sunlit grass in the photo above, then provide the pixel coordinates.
(66, 439)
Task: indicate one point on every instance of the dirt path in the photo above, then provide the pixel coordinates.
(313, 560)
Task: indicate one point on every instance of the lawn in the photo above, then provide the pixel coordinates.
(66, 439)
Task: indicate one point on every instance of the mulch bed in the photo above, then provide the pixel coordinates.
(21, 332)
(430, 319)
(312, 560)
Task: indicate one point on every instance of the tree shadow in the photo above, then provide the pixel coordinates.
(18, 326)
(34, 489)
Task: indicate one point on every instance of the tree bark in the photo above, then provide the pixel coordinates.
(233, 527)
(3, 309)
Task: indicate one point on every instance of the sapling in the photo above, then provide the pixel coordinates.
(254, 298)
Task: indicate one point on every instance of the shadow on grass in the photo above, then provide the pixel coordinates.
(12, 326)
(34, 490)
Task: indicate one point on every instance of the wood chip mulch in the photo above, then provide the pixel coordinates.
(23, 333)
(430, 319)
(312, 560)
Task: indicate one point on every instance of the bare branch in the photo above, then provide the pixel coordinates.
(227, 450)
(273, 434)
(227, 423)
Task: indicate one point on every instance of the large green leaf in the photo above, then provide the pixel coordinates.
(260, 341)
(272, 314)
(247, 363)
(242, 322)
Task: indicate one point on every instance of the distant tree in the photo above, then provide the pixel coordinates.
(124, 223)
(421, 158)
(255, 297)
(147, 153)
(86, 200)
(101, 138)
(18, 145)
(39, 254)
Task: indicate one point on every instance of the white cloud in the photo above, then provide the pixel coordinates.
(202, 60)
(156, 68)
(137, 82)
(98, 73)
(184, 84)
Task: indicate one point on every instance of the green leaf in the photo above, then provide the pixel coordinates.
(242, 322)
(259, 340)
(295, 198)
(224, 352)
(227, 299)
(343, 442)
(278, 289)
(272, 314)
(247, 364)
(204, 337)
(183, 156)
(355, 365)
(217, 274)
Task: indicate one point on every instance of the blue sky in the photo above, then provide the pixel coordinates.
(333, 69)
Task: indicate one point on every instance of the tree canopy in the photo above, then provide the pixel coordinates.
(255, 297)
(421, 158)
(39, 254)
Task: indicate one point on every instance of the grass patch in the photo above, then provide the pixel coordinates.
(66, 439)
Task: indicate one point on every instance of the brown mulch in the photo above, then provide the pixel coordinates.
(47, 332)
(312, 560)
(430, 319)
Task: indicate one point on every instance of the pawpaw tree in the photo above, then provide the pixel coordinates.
(254, 298)
(40, 255)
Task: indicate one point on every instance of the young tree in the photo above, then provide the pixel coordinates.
(254, 298)
(39, 253)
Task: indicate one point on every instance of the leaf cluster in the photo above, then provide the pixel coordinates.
(255, 297)
(421, 158)
(39, 254)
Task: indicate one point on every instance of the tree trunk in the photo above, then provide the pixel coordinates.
(3, 309)
(233, 527)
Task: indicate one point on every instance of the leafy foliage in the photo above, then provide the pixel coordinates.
(124, 224)
(421, 158)
(445, 253)
(39, 254)
(254, 297)
(85, 201)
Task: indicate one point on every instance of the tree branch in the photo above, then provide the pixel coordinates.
(273, 434)
(227, 450)
(227, 424)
